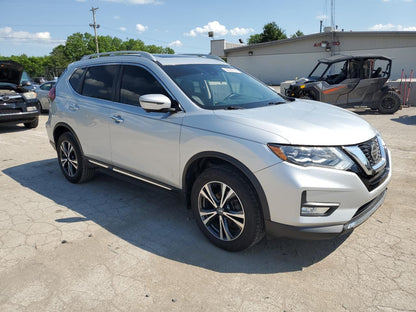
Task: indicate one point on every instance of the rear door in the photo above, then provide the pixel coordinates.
(372, 79)
(90, 110)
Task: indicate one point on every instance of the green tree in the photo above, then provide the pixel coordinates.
(77, 45)
(271, 32)
(297, 34)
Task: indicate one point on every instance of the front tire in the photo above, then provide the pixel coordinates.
(33, 124)
(389, 103)
(227, 209)
(71, 161)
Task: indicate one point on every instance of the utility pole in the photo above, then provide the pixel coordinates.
(95, 26)
(332, 26)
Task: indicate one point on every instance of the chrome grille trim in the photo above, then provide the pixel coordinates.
(369, 155)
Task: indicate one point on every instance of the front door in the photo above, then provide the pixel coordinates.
(145, 143)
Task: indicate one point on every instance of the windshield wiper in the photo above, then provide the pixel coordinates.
(277, 103)
(233, 107)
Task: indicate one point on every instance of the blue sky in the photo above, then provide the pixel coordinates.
(36, 27)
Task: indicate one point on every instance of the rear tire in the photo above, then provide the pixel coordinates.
(33, 124)
(71, 160)
(227, 209)
(389, 103)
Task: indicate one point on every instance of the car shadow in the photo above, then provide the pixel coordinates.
(365, 111)
(7, 128)
(406, 120)
(157, 221)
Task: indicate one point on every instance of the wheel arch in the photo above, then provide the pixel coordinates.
(203, 160)
(61, 128)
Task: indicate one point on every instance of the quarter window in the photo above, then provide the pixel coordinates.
(136, 82)
(76, 79)
(99, 81)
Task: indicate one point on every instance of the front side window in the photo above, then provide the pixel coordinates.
(99, 81)
(137, 81)
(47, 86)
(221, 86)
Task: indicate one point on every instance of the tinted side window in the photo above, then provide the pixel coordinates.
(75, 80)
(137, 81)
(99, 81)
(46, 86)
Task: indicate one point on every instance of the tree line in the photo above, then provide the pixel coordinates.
(77, 45)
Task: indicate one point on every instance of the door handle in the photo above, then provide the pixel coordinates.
(117, 118)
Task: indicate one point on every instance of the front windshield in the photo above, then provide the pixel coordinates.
(221, 86)
(318, 71)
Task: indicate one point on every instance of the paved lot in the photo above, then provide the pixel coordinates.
(111, 245)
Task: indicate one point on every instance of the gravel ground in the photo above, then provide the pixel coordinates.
(113, 245)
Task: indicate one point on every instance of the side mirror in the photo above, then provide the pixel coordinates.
(156, 103)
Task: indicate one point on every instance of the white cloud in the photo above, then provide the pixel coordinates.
(322, 17)
(141, 28)
(116, 17)
(218, 29)
(9, 33)
(123, 28)
(176, 43)
(241, 31)
(214, 26)
(391, 27)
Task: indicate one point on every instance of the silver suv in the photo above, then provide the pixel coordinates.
(247, 159)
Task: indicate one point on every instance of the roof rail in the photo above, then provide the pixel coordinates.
(116, 53)
(210, 56)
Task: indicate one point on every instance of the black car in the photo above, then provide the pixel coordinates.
(350, 81)
(17, 104)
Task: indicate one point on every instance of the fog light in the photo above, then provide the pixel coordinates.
(309, 209)
(31, 108)
(316, 209)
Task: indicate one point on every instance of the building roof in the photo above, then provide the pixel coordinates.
(325, 35)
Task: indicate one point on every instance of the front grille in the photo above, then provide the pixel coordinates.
(375, 181)
(371, 150)
(13, 100)
(372, 163)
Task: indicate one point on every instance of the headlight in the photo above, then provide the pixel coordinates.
(29, 95)
(329, 157)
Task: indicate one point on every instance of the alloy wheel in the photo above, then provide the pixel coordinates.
(68, 158)
(221, 211)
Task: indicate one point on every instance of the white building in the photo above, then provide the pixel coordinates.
(277, 61)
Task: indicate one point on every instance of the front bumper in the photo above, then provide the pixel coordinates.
(287, 187)
(326, 232)
(19, 112)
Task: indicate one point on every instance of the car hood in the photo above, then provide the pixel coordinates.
(303, 122)
(10, 72)
(305, 80)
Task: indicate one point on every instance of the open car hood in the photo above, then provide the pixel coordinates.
(10, 72)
